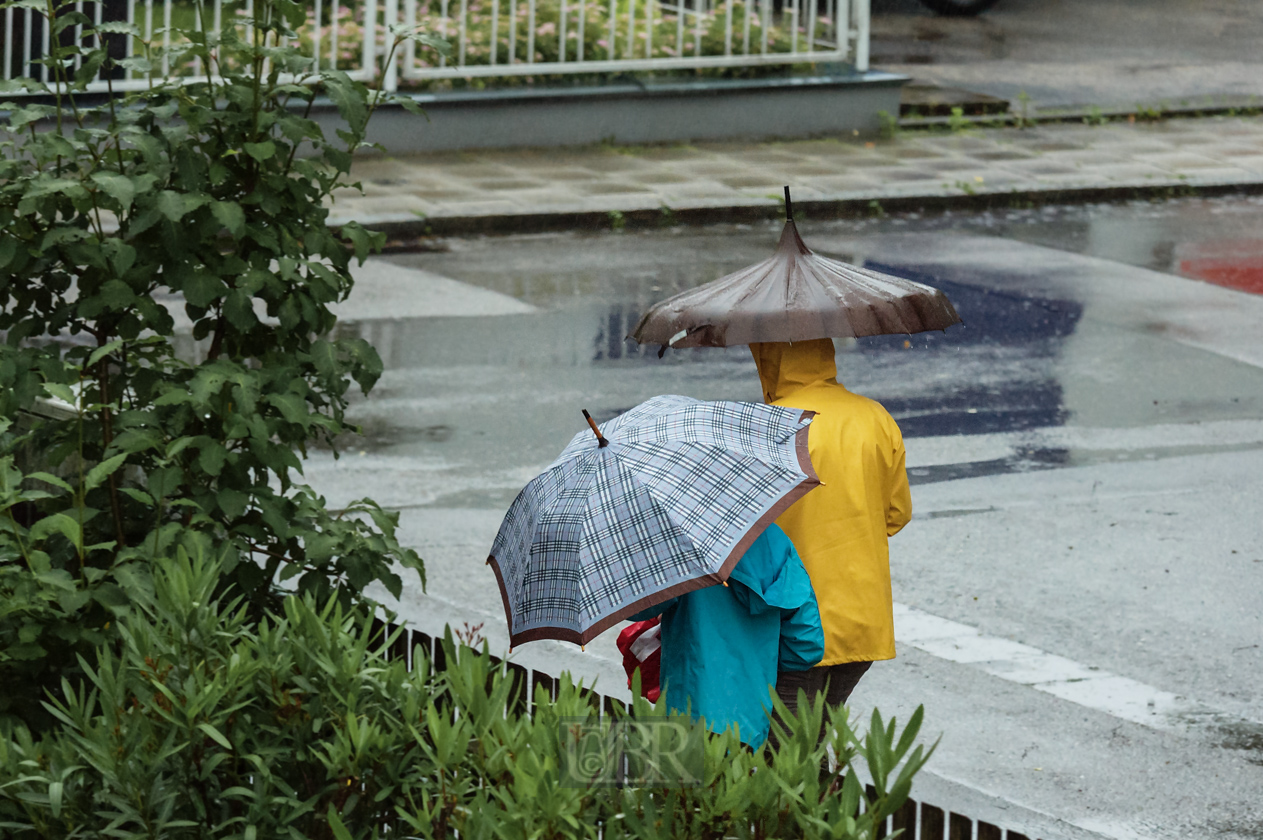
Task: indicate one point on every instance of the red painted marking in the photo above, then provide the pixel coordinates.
(1236, 264)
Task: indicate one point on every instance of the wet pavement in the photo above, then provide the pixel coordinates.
(1121, 53)
(1079, 592)
(605, 187)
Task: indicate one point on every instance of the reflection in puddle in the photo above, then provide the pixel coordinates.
(995, 374)
(1033, 327)
(1024, 460)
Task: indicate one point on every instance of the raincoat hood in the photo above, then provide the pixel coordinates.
(785, 368)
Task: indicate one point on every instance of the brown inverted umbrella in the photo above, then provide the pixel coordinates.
(794, 295)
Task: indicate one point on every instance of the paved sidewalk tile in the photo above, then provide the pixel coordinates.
(504, 185)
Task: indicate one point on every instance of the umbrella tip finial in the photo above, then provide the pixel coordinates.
(789, 206)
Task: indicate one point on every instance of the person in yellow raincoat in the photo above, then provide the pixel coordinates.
(840, 529)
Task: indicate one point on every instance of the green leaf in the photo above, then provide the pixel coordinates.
(260, 151)
(239, 310)
(292, 407)
(336, 826)
(49, 478)
(230, 215)
(118, 27)
(137, 440)
(49, 186)
(8, 250)
(111, 596)
(58, 523)
(73, 601)
(215, 735)
(176, 206)
(232, 502)
(117, 295)
(118, 187)
(102, 471)
(22, 83)
(61, 391)
(25, 651)
(212, 458)
(410, 105)
(175, 396)
(103, 351)
(59, 578)
(202, 289)
(139, 495)
(138, 64)
(439, 44)
(164, 481)
(121, 255)
(362, 239)
(350, 100)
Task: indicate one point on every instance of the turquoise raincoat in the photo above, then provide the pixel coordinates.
(722, 645)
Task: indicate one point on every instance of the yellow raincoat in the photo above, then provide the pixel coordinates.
(840, 529)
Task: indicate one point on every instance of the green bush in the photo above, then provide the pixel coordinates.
(208, 724)
(189, 201)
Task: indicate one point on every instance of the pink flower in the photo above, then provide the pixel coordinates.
(546, 29)
(603, 44)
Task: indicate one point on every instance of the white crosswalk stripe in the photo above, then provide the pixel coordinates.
(1085, 685)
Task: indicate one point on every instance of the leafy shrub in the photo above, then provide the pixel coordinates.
(177, 203)
(538, 38)
(208, 724)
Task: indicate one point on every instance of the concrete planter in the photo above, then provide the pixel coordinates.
(632, 113)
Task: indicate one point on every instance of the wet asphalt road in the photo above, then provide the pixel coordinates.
(1080, 592)
(1109, 53)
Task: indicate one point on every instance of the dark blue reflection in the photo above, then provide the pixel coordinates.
(1012, 407)
(990, 317)
(1034, 327)
(611, 342)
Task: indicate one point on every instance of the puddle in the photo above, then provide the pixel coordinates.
(1215, 240)
(1021, 461)
(951, 514)
(1246, 737)
(376, 433)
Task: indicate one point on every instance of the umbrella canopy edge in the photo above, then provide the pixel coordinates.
(794, 295)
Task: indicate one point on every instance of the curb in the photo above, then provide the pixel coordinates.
(1227, 106)
(417, 232)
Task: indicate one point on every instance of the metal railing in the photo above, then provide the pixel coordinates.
(489, 38)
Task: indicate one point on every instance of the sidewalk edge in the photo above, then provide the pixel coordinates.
(417, 227)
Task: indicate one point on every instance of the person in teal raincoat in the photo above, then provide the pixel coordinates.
(722, 645)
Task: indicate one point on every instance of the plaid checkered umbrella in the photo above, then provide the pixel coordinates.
(664, 499)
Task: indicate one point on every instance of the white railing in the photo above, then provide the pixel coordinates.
(531, 37)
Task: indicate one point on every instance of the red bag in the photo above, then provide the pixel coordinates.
(641, 645)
